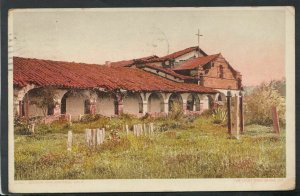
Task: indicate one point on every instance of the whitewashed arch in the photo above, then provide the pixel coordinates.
(193, 102)
(155, 103)
(73, 103)
(175, 98)
(132, 103)
(105, 103)
(29, 105)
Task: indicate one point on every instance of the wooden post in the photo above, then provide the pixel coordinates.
(99, 136)
(134, 130)
(138, 129)
(151, 129)
(94, 136)
(236, 121)
(141, 128)
(229, 111)
(70, 140)
(103, 134)
(276, 128)
(145, 130)
(241, 113)
(127, 129)
(31, 128)
(88, 136)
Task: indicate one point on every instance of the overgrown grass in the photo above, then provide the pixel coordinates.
(178, 149)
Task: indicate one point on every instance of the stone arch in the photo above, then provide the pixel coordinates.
(74, 102)
(32, 104)
(155, 103)
(175, 98)
(132, 103)
(193, 103)
(106, 103)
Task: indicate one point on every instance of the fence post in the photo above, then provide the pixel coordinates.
(70, 140)
(134, 130)
(31, 128)
(141, 128)
(276, 128)
(103, 135)
(236, 122)
(88, 136)
(98, 136)
(145, 130)
(151, 128)
(241, 112)
(127, 129)
(229, 111)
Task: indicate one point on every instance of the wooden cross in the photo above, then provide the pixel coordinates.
(198, 35)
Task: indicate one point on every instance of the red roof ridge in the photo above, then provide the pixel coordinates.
(166, 70)
(181, 52)
(55, 61)
(199, 61)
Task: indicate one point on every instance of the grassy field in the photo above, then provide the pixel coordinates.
(178, 149)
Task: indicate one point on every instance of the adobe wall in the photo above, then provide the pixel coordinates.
(75, 106)
(131, 104)
(155, 104)
(220, 83)
(105, 106)
(213, 80)
(34, 110)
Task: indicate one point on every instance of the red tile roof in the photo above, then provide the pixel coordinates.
(193, 63)
(179, 53)
(125, 63)
(83, 76)
(167, 71)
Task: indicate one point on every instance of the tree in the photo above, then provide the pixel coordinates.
(46, 98)
(259, 102)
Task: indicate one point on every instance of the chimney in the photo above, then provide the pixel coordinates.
(108, 63)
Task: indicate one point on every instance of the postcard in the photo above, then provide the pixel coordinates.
(151, 99)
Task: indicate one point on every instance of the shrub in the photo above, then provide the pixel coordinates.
(258, 105)
(176, 111)
(219, 115)
(90, 117)
(21, 126)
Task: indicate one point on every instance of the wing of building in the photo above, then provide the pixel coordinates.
(150, 85)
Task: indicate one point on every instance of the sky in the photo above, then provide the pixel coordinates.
(252, 40)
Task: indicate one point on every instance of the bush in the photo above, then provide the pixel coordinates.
(176, 112)
(21, 126)
(219, 115)
(90, 117)
(258, 105)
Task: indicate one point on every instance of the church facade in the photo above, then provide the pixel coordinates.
(149, 85)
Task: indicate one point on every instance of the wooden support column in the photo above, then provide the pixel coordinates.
(229, 111)
(236, 121)
(275, 120)
(119, 104)
(241, 113)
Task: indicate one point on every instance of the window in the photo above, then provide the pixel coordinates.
(141, 107)
(221, 71)
(87, 106)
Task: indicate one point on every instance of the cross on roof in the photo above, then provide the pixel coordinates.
(198, 35)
